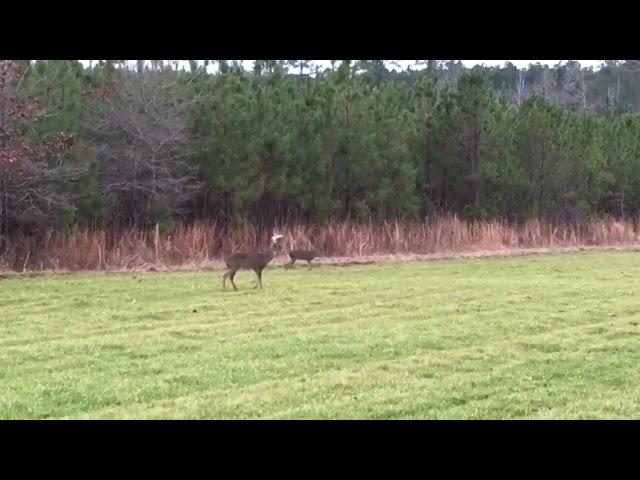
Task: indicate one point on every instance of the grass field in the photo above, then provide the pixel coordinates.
(525, 337)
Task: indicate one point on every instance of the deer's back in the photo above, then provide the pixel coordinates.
(249, 260)
(303, 254)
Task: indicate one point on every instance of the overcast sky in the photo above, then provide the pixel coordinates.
(403, 64)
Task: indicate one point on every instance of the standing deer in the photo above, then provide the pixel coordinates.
(255, 261)
(307, 255)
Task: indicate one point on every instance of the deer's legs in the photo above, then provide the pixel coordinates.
(231, 275)
(224, 279)
(259, 274)
(309, 264)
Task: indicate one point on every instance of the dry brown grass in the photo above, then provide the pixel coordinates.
(203, 245)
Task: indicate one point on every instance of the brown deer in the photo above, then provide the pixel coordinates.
(255, 261)
(307, 255)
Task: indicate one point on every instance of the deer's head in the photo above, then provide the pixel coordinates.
(276, 247)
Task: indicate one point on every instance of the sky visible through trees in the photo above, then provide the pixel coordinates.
(93, 143)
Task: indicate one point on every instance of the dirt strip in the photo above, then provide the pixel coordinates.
(282, 260)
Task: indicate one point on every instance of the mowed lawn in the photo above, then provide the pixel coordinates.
(553, 336)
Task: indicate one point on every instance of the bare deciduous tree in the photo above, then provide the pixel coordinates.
(141, 133)
(32, 176)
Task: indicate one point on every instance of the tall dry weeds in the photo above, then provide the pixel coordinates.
(204, 245)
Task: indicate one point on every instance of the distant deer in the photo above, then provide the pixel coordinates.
(307, 255)
(255, 261)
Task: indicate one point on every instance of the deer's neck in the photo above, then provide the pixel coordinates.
(269, 254)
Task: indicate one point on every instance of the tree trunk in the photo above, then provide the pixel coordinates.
(4, 220)
(476, 168)
(4, 200)
(474, 162)
(426, 184)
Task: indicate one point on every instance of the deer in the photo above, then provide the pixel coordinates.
(254, 260)
(307, 255)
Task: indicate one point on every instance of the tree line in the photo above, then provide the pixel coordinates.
(111, 146)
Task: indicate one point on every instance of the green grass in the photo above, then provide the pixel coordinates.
(521, 337)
